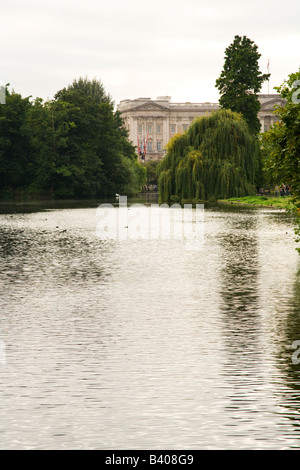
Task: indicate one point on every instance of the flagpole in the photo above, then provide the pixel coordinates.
(268, 68)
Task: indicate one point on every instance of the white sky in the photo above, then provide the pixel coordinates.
(141, 48)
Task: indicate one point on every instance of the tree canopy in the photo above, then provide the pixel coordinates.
(241, 80)
(15, 156)
(216, 158)
(72, 146)
(93, 88)
(281, 144)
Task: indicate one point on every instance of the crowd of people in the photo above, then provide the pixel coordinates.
(151, 187)
(283, 190)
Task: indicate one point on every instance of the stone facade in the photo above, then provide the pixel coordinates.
(266, 114)
(151, 123)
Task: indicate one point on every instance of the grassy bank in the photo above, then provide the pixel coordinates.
(262, 201)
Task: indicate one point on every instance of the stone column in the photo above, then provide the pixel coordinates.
(166, 129)
(133, 130)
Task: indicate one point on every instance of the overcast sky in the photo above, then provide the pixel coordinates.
(141, 48)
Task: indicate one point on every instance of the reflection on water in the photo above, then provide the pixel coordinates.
(141, 344)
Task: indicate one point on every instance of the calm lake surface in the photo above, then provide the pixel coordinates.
(143, 344)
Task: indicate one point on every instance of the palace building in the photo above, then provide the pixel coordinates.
(151, 123)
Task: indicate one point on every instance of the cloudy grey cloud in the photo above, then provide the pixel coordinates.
(162, 47)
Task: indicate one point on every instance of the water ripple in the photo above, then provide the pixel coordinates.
(142, 344)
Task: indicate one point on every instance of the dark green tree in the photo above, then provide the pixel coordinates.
(281, 144)
(241, 80)
(40, 126)
(75, 145)
(61, 132)
(81, 145)
(216, 158)
(15, 158)
(93, 88)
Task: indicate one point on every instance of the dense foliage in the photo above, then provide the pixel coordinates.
(72, 146)
(15, 143)
(216, 158)
(281, 144)
(151, 167)
(241, 80)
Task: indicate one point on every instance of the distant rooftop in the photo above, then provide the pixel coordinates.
(166, 101)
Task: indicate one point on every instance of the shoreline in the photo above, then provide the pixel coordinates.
(271, 202)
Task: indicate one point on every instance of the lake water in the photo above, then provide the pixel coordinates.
(144, 344)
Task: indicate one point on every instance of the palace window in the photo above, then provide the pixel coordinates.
(173, 128)
(140, 128)
(158, 128)
(158, 146)
(149, 146)
(149, 128)
(267, 123)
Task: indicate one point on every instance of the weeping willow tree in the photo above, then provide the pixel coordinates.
(216, 158)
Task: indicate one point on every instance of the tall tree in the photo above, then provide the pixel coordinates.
(75, 145)
(81, 145)
(281, 144)
(241, 80)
